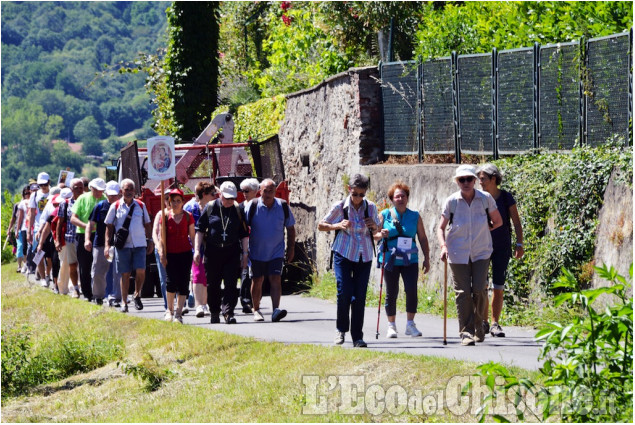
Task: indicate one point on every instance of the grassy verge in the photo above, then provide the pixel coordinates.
(165, 372)
(430, 301)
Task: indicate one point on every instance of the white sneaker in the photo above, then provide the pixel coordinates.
(412, 330)
(392, 331)
(76, 292)
(258, 317)
(200, 311)
(168, 316)
(44, 283)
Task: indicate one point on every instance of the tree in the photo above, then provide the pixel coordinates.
(191, 64)
(86, 129)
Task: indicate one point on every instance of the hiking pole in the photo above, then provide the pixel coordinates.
(381, 285)
(445, 302)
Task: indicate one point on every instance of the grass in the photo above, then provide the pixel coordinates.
(165, 372)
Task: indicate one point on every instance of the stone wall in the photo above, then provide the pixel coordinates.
(330, 131)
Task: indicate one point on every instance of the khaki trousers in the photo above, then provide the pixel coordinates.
(470, 287)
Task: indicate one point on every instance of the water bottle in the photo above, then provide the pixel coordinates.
(111, 254)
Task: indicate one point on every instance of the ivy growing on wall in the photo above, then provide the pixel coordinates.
(559, 197)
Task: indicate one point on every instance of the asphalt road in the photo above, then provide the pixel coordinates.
(312, 321)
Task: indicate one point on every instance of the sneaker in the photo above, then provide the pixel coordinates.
(247, 309)
(467, 339)
(229, 319)
(44, 283)
(114, 303)
(278, 315)
(99, 301)
(137, 303)
(339, 337)
(168, 316)
(412, 330)
(200, 311)
(485, 327)
(56, 290)
(76, 292)
(360, 344)
(479, 338)
(215, 318)
(392, 331)
(178, 318)
(258, 317)
(497, 331)
(124, 308)
(185, 310)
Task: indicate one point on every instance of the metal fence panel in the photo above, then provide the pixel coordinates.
(560, 96)
(515, 100)
(607, 88)
(437, 119)
(475, 103)
(399, 92)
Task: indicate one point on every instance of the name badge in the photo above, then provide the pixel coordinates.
(404, 244)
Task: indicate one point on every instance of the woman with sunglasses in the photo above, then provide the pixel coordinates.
(490, 178)
(356, 222)
(467, 247)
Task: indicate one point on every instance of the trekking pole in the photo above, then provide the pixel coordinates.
(381, 285)
(445, 302)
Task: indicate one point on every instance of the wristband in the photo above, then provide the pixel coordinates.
(519, 245)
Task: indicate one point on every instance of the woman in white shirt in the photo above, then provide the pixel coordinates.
(467, 246)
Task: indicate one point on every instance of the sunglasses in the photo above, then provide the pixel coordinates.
(357, 195)
(466, 179)
(245, 190)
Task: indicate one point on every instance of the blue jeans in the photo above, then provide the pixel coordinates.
(163, 278)
(352, 281)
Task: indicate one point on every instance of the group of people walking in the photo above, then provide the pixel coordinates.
(96, 235)
(474, 229)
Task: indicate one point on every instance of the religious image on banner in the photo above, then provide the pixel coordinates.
(161, 158)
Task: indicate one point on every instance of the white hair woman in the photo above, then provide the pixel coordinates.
(490, 178)
(467, 247)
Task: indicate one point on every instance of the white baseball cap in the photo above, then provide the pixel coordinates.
(465, 170)
(66, 193)
(98, 184)
(228, 190)
(112, 188)
(43, 178)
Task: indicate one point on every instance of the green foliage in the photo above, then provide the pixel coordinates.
(7, 210)
(588, 366)
(191, 65)
(64, 355)
(257, 120)
(558, 198)
(477, 27)
(148, 371)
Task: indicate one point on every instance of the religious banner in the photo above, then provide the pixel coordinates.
(161, 158)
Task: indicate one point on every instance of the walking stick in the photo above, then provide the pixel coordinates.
(381, 285)
(445, 302)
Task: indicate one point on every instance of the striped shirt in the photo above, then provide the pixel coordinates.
(355, 241)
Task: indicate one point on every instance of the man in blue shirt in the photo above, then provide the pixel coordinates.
(269, 218)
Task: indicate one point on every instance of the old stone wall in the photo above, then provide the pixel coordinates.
(329, 132)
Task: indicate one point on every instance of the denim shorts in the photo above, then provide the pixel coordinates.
(129, 259)
(266, 268)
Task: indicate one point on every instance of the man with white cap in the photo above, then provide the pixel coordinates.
(81, 215)
(101, 260)
(65, 240)
(36, 206)
(226, 231)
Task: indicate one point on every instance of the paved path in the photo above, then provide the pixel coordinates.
(312, 321)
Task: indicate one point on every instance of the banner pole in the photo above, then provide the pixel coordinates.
(163, 225)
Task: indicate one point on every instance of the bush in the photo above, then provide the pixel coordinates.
(66, 354)
(588, 366)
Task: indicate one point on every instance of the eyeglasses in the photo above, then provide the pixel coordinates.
(466, 179)
(358, 195)
(245, 190)
(44, 184)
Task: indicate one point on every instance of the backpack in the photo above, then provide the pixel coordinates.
(454, 202)
(209, 209)
(252, 211)
(60, 238)
(345, 210)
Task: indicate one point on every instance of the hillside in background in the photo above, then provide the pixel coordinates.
(52, 57)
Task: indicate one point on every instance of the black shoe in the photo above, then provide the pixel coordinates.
(215, 318)
(360, 343)
(485, 327)
(247, 309)
(229, 319)
(137, 303)
(124, 308)
(114, 303)
(497, 331)
(99, 301)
